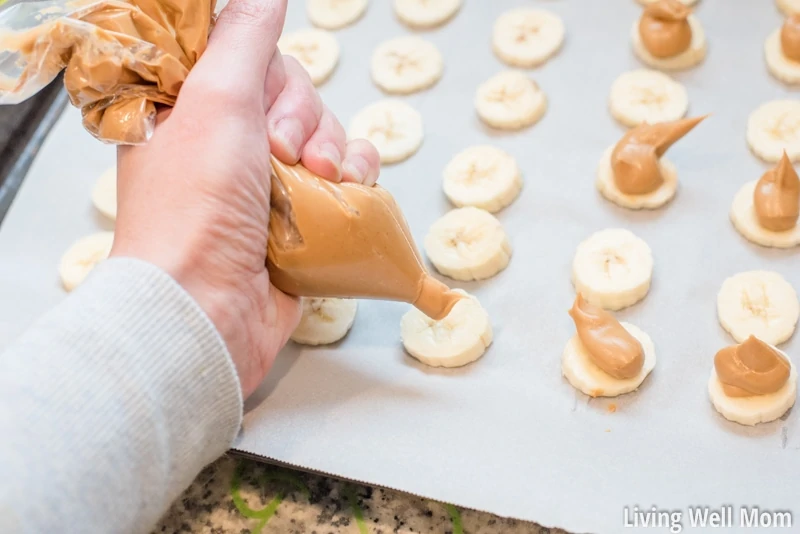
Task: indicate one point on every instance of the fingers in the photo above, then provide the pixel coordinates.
(240, 49)
(362, 163)
(294, 115)
(325, 149)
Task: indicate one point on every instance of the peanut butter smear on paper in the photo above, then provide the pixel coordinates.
(345, 240)
(612, 348)
(664, 28)
(751, 368)
(119, 58)
(790, 38)
(635, 159)
(777, 197)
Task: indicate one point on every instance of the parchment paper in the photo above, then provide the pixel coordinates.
(508, 434)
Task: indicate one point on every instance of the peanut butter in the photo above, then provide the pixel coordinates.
(750, 369)
(790, 38)
(777, 197)
(120, 58)
(612, 348)
(664, 28)
(345, 240)
(635, 159)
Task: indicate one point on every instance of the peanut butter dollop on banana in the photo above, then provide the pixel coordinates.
(777, 197)
(635, 158)
(790, 38)
(750, 369)
(664, 28)
(612, 348)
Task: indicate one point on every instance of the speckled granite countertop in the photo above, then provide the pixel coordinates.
(235, 496)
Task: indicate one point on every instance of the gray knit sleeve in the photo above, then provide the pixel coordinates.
(111, 404)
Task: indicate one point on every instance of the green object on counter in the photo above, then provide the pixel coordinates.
(266, 513)
(455, 518)
(357, 512)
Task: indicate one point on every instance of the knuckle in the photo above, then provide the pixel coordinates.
(247, 13)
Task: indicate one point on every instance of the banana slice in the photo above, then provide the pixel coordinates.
(483, 177)
(751, 411)
(527, 37)
(579, 369)
(608, 186)
(758, 303)
(468, 244)
(325, 320)
(692, 56)
(780, 66)
(78, 261)
(745, 220)
(426, 14)
(650, 96)
(394, 127)
(335, 14)
(460, 338)
(789, 7)
(510, 101)
(406, 64)
(104, 194)
(774, 127)
(612, 269)
(687, 2)
(316, 50)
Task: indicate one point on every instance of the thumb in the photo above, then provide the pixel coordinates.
(240, 49)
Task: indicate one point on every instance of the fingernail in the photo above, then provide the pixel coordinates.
(330, 152)
(290, 134)
(356, 168)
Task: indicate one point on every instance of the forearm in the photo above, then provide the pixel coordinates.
(111, 404)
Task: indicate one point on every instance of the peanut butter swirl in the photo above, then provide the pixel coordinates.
(664, 28)
(777, 197)
(345, 240)
(750, 369)
(635, 159)
(790, 38)
(612, 348)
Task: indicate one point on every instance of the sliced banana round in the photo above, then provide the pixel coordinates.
(510, 101)
(758, 303)
(687, 2)
(789, 7)
(612, 269)
(460, 338)
(579, 369)
(468, 244)
(745, 220)
(316, 50)
(483, 177)
(608, 186)
(774, 127)
(426, 14)
(104, 194)
(645, 95)
(78, 261)
(325, 320)
(406, 64)
(394, 127)
(757, 409)
(527, 37)
(335, 14)
(784, 69)
(692, 56)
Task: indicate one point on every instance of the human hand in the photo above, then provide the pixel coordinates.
(194, 201)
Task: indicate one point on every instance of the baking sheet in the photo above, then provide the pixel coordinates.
(507, 434)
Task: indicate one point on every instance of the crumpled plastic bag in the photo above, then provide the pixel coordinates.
(120, 57)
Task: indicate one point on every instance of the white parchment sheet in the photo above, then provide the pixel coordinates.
(507, 434)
